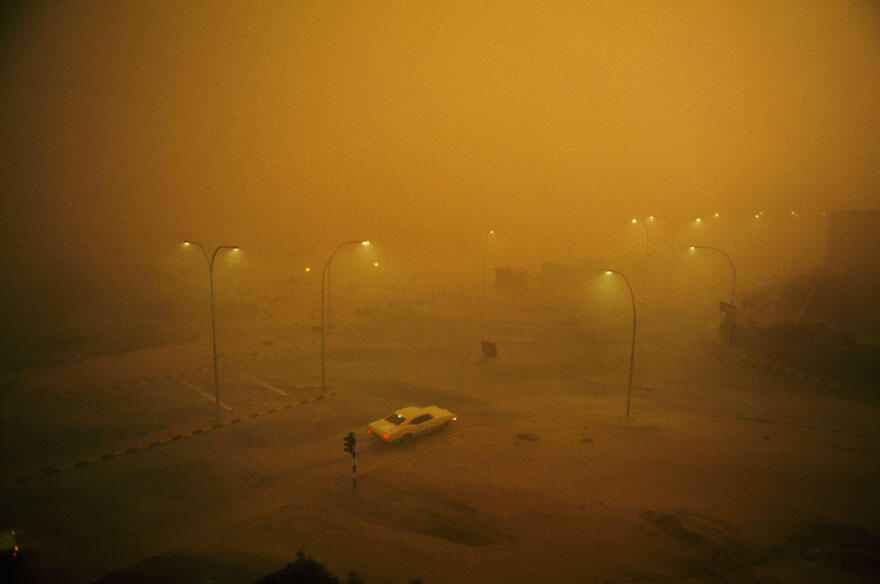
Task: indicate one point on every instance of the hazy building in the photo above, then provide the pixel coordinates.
(568, 280)
(854, 242)
(511, 281)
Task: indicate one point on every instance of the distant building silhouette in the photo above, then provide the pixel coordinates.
(853, 242)
(511, 281)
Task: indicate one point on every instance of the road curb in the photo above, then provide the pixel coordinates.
(795, 372)
(53, 470)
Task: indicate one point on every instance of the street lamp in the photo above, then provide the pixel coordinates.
(325, 275)
(213, 330)
(486, 255)
(730, 261)
(644, 223)
(632, 350)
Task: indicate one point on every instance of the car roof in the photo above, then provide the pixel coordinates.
(409, 412)
(413, 411)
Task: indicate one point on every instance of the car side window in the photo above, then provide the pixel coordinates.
(422, 418)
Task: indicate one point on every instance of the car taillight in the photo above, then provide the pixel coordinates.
(369, 430)
(384, 436)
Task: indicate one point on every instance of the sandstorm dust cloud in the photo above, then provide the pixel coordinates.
(288, 128)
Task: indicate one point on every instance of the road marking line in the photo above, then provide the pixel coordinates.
(202, 391)
(258, 381)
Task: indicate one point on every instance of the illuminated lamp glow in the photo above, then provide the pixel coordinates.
(369, 430)
(692, 248)
(635, 220)
(308, 269)
(365, 242)
(698, 219)
(376, 264)
(384, 436)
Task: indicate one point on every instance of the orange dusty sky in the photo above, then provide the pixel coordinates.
(287, 127)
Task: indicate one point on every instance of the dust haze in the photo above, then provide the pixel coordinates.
(499, 157)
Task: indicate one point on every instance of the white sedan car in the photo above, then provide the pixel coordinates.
(409, 422)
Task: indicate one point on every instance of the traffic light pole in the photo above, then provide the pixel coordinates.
(350, 442)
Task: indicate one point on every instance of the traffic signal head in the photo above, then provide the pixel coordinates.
(350, 441)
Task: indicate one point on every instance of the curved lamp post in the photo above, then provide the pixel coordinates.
(632, 351)
(213, 332)
(730, 261)
(325, 275)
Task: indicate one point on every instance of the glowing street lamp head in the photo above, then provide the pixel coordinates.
(635, 220)
(607, 272)
(308, 269)
(186, 244)
(491, 232)
(698, 220)
(375, 264)
(693, 248)
(365, 243)
(235, 248)
(717, 215)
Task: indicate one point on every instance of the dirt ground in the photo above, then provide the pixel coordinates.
(723, 472)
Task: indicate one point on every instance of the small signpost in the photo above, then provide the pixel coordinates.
(350, 441)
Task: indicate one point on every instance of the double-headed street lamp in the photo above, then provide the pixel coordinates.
(632, 351)
(730, 261)
(213, 332)
(325, 275)
(644, 223)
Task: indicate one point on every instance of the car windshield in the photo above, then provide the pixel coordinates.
(395, 419)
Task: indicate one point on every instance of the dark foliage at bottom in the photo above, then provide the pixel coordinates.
(305, 570)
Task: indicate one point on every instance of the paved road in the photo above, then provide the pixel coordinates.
(540, 466)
